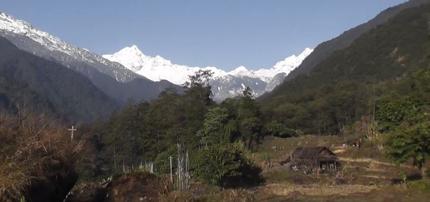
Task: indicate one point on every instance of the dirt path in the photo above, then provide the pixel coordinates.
(369, 160)
(316, 189)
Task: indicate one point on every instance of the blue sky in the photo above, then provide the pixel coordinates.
(221, 33)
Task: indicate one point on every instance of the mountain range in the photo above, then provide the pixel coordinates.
(299, 82)
(112, 78)
(224, 84)
(131, 75)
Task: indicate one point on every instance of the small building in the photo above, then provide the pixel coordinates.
(312, 159)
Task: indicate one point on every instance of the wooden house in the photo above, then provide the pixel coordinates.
(312, 159)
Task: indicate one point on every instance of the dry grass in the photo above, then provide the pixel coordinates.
(372, 162)
(13, 179)
(29, 142)
(317, 189)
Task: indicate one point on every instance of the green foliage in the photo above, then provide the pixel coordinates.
(410, 143)
(403, 113)
(279, 130)
(249, 117)
(151, 131)
(217, 128)
(226, 166)
(392, 112)
(162, 161)
(148, 131)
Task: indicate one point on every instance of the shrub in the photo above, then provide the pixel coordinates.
(279, 130)
(226, 166)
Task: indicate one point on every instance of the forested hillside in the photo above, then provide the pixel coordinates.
(326, 49)
(342, 88)
(29, 83)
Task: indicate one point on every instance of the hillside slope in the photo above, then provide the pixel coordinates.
(338, 90)
(28, 82)
(112, 78)
(325, 49)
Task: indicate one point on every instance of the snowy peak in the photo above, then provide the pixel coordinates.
(132, 51)
(224, 84)
(241, 71)
(158, 68)
(293, 61)
(131, 57)
(282, 67)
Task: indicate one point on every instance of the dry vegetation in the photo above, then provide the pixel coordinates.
(32, 150)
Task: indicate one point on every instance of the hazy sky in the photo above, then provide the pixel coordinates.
(221, 33)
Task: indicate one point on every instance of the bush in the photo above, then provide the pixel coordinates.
(279, 130)
(226, 166)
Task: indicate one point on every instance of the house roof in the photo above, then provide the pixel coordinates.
(312, 152)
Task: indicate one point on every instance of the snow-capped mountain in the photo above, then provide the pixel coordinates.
(130, 74)
(224, 84)
(113, 78)
(13, 29)
(155, 68)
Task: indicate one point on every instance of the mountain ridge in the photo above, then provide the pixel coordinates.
(325, 49)
(152, 66)
(112, 78)
(224, 84)
(32, 83)
(342, 88)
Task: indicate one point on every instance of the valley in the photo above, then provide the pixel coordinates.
(346, 121)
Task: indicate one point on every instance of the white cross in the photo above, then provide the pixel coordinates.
(72, 130)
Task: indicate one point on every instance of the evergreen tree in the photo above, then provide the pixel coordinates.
(250, 123)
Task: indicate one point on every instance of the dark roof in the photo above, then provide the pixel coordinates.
(311, 152)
